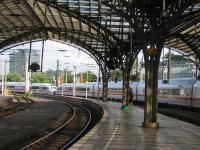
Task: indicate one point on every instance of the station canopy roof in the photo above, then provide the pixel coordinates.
(101, 26)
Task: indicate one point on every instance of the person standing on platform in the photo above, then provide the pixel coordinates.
(130, 96)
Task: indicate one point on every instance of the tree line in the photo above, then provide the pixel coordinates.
(46, 77)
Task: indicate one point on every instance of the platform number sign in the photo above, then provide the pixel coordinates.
(152, 51)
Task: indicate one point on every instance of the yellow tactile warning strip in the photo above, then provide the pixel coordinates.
(120, 130)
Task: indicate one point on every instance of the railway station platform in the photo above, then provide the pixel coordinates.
(4, 101)
(122, 130)
(5, 97)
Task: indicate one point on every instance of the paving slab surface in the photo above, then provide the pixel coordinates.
(122, 130)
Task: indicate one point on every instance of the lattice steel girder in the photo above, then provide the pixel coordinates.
(90, 49)
(80, 33)
(125, 12)
(104, 32)
(176, 42)
(15, 38)
(191, 41)
(184, 21)
(179, 12)
(35, 15)
(129, 11)
(179, 6)
(28, 31)
(194, 48)
(153, 10)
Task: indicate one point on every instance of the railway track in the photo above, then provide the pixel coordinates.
(17, 104)
(66, 134)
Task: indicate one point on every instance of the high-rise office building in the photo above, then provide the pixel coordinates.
(19, 58)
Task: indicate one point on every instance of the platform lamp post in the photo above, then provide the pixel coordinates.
(60, 50)
(66, 73)
(27, 86)
(86, 90)
(74, 79)
(74, 82)
(89, 66)
(4, 72)
(98, 81)
(5, 75)
(169, 64)
(4, 79)
(3, 67)
(163, 64)
(65, 76)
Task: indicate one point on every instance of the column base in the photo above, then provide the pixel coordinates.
(150, 125)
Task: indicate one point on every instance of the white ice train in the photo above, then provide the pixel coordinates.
(19, 87)
(177, 91)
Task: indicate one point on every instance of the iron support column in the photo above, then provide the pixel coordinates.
(105, 89)
(125, 95)
(126, 69)
(105, 84)
(151, 90)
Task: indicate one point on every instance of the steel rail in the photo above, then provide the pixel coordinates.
(53, 132)
(85, 127)
(15, 108)
(65, 146)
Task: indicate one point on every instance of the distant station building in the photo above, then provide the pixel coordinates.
(178, 69)
(19, 58)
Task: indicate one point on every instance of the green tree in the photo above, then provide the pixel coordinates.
(175, 57)
(91, 76)
(116, 75)
(14, 77)
(40, 77)
(69, 77)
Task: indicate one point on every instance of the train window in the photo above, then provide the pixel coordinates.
(21, 87)
(60, 88)
(82, 89)
(35, 87)
(69, 88)
(112, 90)
(160, 92)
(175, 91)
(182, 92)
(11, 87)
(44, 88)
(164, 92)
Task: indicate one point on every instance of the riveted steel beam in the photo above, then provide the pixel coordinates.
(27, 31)
(104, 32)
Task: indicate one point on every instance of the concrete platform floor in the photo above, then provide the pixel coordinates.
(122, 130)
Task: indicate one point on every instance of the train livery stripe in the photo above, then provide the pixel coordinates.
(163, 97)
(172, 97)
